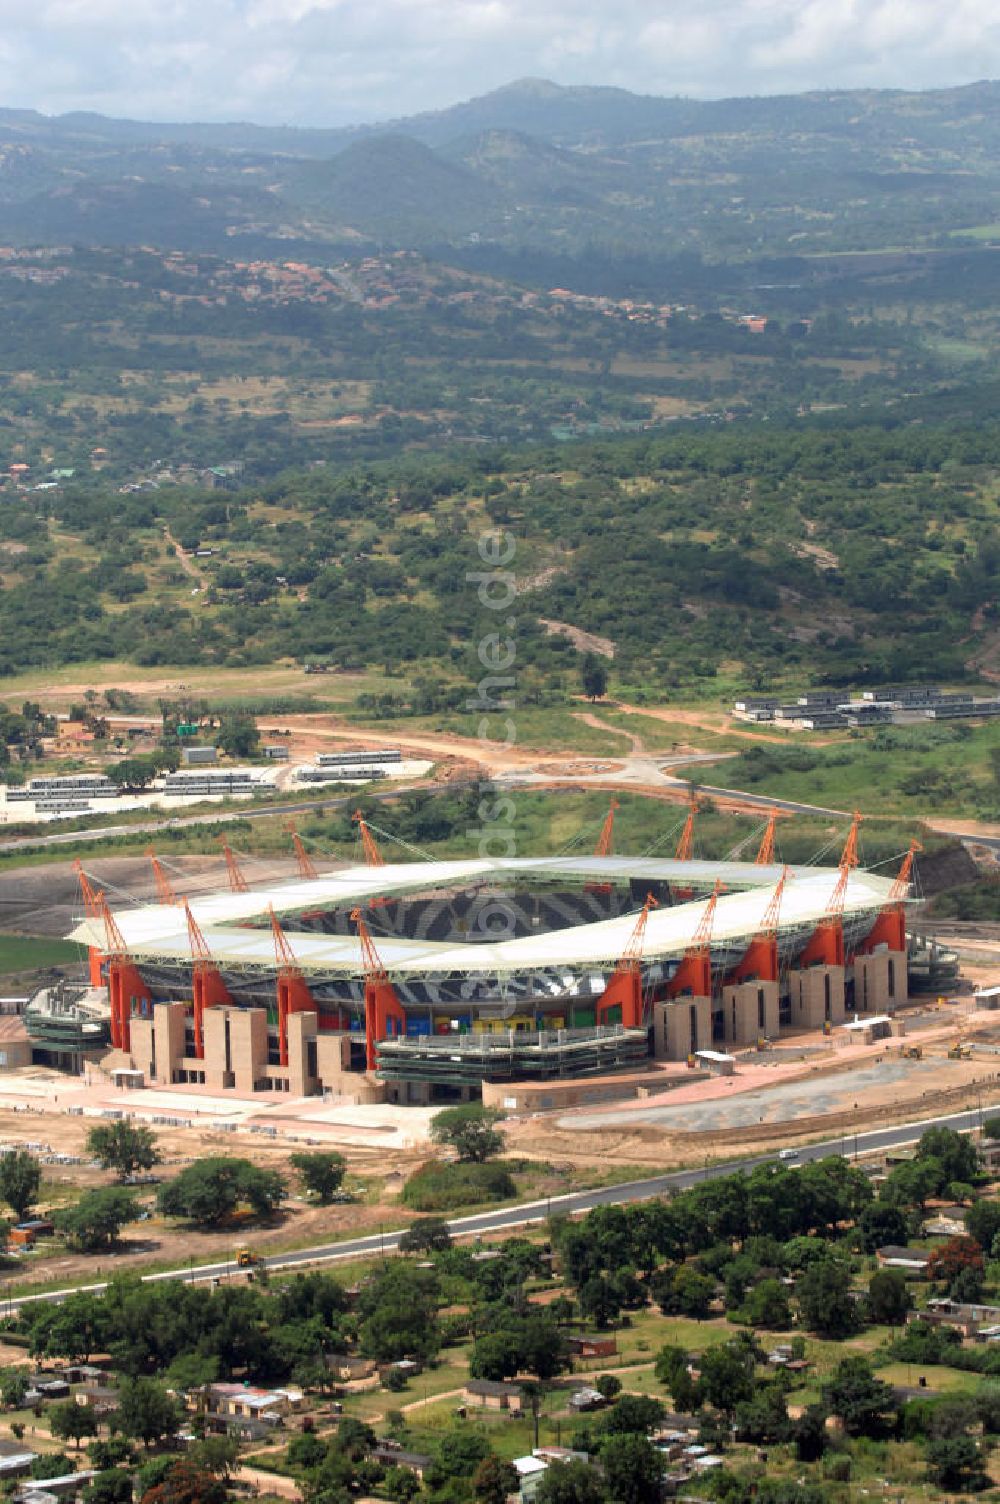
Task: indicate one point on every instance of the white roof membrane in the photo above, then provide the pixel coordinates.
(159, 932)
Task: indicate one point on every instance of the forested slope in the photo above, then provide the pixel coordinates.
(839, 550)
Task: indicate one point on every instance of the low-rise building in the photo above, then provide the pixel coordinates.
(490, 1394)
(586, 1345)
(910, 1260)
(15, 1458)
(99, 1399)
(246, 1401)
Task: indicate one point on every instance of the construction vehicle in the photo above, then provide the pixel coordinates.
(913, 1052)
(246, 1258)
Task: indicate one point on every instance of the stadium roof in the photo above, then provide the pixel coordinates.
(235, 925)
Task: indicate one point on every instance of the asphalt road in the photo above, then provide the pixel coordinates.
(507, 1218)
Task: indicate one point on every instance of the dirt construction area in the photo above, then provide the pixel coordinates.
(51, 1114)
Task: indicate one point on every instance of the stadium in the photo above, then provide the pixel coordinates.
(425, 981)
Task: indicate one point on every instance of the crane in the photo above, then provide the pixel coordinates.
(92, 909)
(685, 846)
(372, 854)
(605, 845)
(760, 959)
(765, 853)
(890, 926)
(207, 986)
(624, 989)
(164, 889)
(306, 866)
(694, 974)
(826, 944)
(384, 1015)
(237, 882)
(293, 993)
(126, 986)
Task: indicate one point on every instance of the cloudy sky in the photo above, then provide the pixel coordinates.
(331, 62)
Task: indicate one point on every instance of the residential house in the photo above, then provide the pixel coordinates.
(349, 1368)
(967, 1319)
(16, 1458)
(491, 1395)
(391, 1454)
(910, 1260)
(532, 1469)
(65, 1486)
(246, 1402)
(584, 1346)
(100, 1399)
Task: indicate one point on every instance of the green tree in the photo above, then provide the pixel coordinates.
(727, 1374)
(861, 1401)
(400, 1484)
(134, 773)
(109, 1454)
(470, 1130)
(321, 1173)
(766, 1305)
(20, 1178)
(882, 1224)
(982, 1221)
(94, 1223)
(123, 1146)
(632, 1469)
(71, 1422)
(238, 736)
(216, 1454)
(810, 1434)
(111, 1486)
(52, 1465)
(398, 1314)
(608, 1385)
(429, 1235)
(955, 1463)
(593, 677)
(637, 1414)
(825, 1300)
(13, 1387)
(889, 1300)
(494, 1479)
(571, 1483)
(209, 1191)
(146, 1411)
(954, 1152)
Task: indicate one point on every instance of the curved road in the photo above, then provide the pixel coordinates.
(506, 1218)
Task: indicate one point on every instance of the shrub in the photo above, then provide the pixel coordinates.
(437, 1187)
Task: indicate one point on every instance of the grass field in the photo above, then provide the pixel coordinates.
(54, 688)
(933, 770)
(22, 953)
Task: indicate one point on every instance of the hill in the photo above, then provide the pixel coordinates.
(815, 172)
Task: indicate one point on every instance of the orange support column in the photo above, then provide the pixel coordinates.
(384, 1017)
(623, 991)
(760, 962)
(293, 997)
(125, 986)
(693, 976)
(825, 946)
(210, 991)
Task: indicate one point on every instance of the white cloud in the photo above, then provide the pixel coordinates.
(331, 62)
